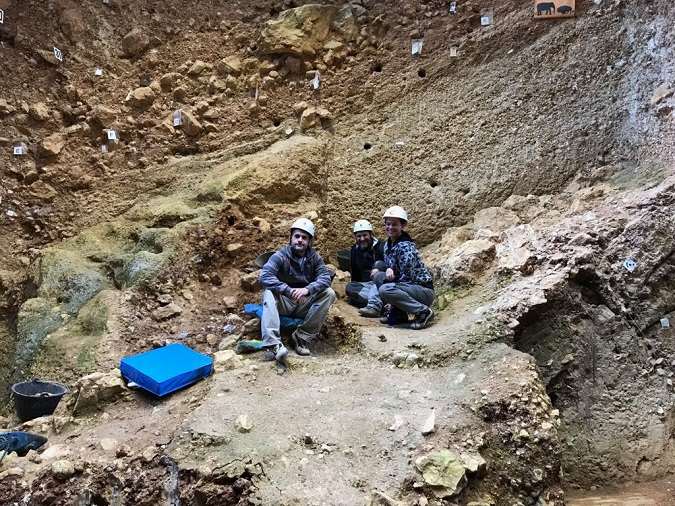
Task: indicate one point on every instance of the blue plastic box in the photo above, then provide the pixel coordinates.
(167, 369)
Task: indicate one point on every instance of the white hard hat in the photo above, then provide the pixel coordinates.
(362, 226)
(305, 225)
(396, 212)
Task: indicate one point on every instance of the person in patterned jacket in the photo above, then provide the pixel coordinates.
(408, 286)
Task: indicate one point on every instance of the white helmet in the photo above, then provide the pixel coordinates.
(305, 225)
(396, 212)
(362, 226)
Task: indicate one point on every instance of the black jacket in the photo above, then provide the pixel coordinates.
(362, 261)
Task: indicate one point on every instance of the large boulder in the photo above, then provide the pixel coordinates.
(300, 31)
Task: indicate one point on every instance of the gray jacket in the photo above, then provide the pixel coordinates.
(284, 271)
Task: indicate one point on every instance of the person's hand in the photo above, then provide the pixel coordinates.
(297, 294)
(389, 274)
(373, 272)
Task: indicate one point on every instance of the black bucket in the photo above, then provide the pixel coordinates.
(33, 399)
(344, 258)
(262, 259)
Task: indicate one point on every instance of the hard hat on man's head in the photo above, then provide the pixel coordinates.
(305, 225)
(396, 212)
(362, 226)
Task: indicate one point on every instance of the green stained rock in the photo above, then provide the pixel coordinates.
(443, 471)
(36, 319)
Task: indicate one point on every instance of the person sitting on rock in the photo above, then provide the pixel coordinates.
(296, 283)
(362, 291)
(408, 287)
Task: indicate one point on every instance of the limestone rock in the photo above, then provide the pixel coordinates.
(135, 43)
(169, 81)
(429, 425)
(661, 93)
(230, 302)
(39, 111)
(465, 262)
(166, 312)
(496, 219)
(52, 145)
(226, 360)
(96, 389)
(251, 282)
(63, 469)
(229, 65)
(108, 444)
(102, 116)
(252, 327)
(300, 31)
(191, 126)
(243, 424)
(141, 98)
(198, 68)
(345, 23)
(233, 248)
(443, 471)
(314, 116)
(377, 498)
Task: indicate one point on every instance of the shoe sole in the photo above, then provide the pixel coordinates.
(424, 323)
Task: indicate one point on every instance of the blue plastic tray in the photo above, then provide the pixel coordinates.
(165, 370)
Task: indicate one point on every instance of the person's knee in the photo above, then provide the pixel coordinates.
(351, 289)
(330, 294)
(386, 291)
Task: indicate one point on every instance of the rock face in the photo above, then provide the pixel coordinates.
(299, 31)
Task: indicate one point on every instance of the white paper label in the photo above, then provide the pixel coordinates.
(2, 16)
(98, 72)
(112, 135)
(665, 323)
(177, 118)
(104, 148)
(485, 20)
(453, 52)
(630, 264)
(18, 150)
(453, 8)
(58, 54)
(417, 46)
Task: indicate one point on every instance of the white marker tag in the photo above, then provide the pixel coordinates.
(665, 323)
(104, 148)
(18, 151)
(58, 54)
(316, 82)
(485, 21)
(630, 264)
(98, 72)
(452, 8)
(106, 2)
(177, 118)
(112, 135)
(416, 46)
(453, 52)
(2, 16)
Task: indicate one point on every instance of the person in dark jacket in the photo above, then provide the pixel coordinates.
(296, 283)
(408, 287)
(362, 291)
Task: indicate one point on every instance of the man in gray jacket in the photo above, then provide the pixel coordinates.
(296, 283)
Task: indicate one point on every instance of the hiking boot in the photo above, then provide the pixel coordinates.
(369, 312)
(385, 314)
(394, 316)
(422, 319)
(301, 347)
(280, 353)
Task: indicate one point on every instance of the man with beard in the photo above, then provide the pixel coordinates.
(296, 283)
(362, 291)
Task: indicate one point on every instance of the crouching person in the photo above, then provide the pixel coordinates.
(408, 285)
(296, 283)
(365, 253)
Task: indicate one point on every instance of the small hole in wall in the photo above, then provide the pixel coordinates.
(422, 73)
(367, 146)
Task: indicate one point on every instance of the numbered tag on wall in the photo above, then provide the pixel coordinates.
(2, 16)
(453, 52)
(19, 150)
(452, 8)
(486, 17)
(416, 46)
(58, 54)
(177, 118)
(98, 72)
(630, 264)
(665, 323)
(316, 82)
(112, 135)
